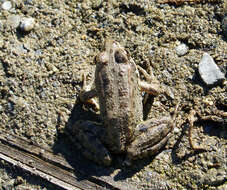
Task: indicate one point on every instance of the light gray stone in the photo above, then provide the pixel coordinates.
(14, 21)
(209, 71)
(6, 5)
(27, 24)
(181, 49)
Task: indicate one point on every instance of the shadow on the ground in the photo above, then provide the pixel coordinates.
(210, 128)
(84, 168)
(176, 159)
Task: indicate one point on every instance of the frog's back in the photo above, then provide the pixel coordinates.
(119, 96)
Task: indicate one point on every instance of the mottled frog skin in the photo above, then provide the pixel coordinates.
(118, 88)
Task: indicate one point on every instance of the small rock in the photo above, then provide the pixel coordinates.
(6, 5)
(224, 26)
(181, 49)
(27, 24)
(176, 130)
(96, 4)
(29, 2)
(13, 21)
(222, 187)
(19, 180)
(209, 71)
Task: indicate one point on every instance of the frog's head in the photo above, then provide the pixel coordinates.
(113, 53)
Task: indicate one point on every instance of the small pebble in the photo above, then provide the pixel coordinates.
(176, 130)
(181, 49)
(224, 26)
(29, 2)
(209, 71)
(13, 21)
(8, 185)
(27, 24)
(6, 5)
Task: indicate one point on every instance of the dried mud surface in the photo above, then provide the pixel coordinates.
(41, 75)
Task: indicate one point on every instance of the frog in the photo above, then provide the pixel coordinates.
(118, 87)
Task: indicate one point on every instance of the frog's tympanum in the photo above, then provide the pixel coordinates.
(118, 88)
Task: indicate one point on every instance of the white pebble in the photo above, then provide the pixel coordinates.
(209, 71)
(181, 49)
(13, 20)
(6, 5)
(27, 24)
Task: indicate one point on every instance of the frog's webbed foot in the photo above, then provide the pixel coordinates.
(89, 134)
(151, 85)
(87, 94)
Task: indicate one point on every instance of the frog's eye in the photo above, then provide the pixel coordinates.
(120, 57)
(102, 58)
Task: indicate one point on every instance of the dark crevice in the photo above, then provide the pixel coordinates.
(221, 106)
(5, 68)
(137, 10)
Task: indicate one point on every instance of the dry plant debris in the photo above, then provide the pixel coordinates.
(179, 2)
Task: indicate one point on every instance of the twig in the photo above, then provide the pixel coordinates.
(192, 119)
(179, 2)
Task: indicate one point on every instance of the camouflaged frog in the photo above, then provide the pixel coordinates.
(118, 88)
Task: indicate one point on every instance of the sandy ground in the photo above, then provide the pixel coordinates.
(41, 75)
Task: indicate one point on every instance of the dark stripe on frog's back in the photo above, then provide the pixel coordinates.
(117, 121)
(109, 103)
(129, 114)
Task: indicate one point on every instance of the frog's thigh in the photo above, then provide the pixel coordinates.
(152, 136)
(89, 136)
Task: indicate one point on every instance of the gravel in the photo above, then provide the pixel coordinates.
(181, 49)
(42, 63)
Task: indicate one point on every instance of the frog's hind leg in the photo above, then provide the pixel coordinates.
(152, 136)
(89, 134)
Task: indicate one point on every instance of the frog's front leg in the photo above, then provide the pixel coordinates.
(87, 94)
(151, 85)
